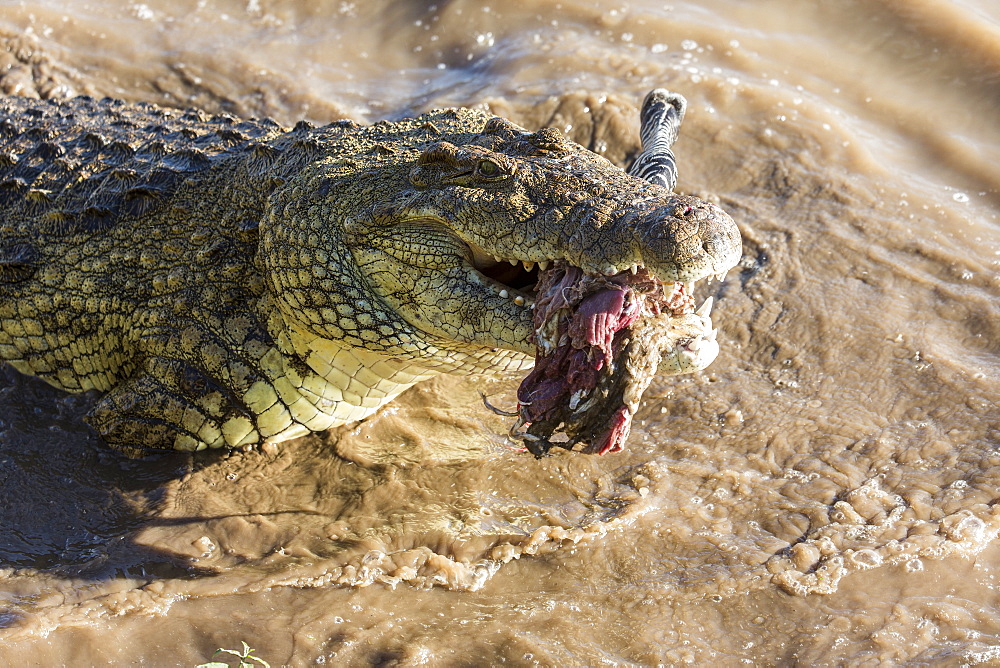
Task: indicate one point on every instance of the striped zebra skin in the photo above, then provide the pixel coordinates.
(660, 121)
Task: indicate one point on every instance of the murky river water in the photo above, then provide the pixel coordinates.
(824, 494)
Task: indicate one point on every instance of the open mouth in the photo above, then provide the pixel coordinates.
(598, 342)
(512, 279)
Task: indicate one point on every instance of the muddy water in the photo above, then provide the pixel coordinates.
(824, 494)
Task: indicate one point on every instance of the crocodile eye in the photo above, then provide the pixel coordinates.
(488, 168)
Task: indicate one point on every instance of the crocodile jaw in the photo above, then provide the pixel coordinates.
(441, 267)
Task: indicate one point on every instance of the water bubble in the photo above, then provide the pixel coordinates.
(969, 528)
(658, 48)
(866, 558)
(689, 45)
(960, 197)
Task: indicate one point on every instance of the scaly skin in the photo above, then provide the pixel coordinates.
(230, 282)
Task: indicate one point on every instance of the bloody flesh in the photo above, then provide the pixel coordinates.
(596, 351)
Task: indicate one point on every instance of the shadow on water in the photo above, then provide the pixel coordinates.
(71, 505)
(68, 503)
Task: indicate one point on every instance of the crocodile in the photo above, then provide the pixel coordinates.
(226, 282)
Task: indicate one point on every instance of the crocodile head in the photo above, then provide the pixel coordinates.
(450, 242)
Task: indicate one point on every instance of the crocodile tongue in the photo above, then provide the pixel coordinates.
(598, 343)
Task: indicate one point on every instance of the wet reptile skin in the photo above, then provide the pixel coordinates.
(228, 282)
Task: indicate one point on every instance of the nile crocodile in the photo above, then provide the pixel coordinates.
(227, 282)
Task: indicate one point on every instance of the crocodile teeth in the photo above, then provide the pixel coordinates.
(634, 268)
(543, 265)
(513, 263)
(713, 335)
(721, 276)
(504, 294)
(706, 308)
(528, 266)
(519, 300)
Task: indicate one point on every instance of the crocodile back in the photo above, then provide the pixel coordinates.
(81, 165)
